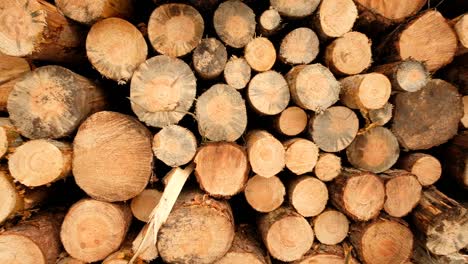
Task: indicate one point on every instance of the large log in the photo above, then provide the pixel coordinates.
(268, 93)
(264, 194)
(105, 165)
(300, 46)
(234, 23)
(266, 153)
(11, 69)
(52, 101)
(90, 11)
(308, 195)
(456, 163)
(301, 155)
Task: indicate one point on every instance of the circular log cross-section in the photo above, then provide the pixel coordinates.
(90, 11)
(108, 35)
(376, 150)
(175, 29)
(292, 121)
(365, 91)
(402, 192)
(299, 46)
(264, 194)
(162, 91)
(40, 162)
(301, 155)
(328, 167)
(268, 93)
(266, 153)
(234, 23)
(334, 18)
(269, 22)
(295, 8)
(11, 199)
(425, 167)
(221, 113)
(221, 168)
(237, 72)
(92, 229)
(408, 76)
(386, 12)
(143, 204)
(209, 58)
(260, 54)
(11, 70)
(382, 115)
(308, 195)
(334, 129)
(105, 165)
(330, 227)
(174, 145)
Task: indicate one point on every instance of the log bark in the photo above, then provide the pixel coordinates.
(308, 195)
(269, 22)
(456, 163)
(313, 87)
(335, 18)
(266, 153)
(301, 155)
(264, 194)
(245, 248)
(457, 73)
(11, 69)
(35, 240)
(441, 223)
(460, 25)
(428, 117)
(209, 58)
(300, 46)
(358, 194)
(175, 29)
(325, 254)
(92, 229)
(330, 227)
(221, 113)
(89, 12)
(384, 240)
(41, 162)
(365, 91)
(162, 91)
(407, 75)
(221, 168)
(234, 23)
(375, 150)
(10, 139)
(286, 234)
(143, 204)
(268, 93)
(199, 229)
(422, 256)
(464, 120)
(291, 121)
(328, 167)
(295, 8)
(260, 54)
(349, 54)
(402, 192)
(237, 72)
(105, 165)
(174, 145)
(334, 129)
(51, 101)
(424, 166)
(38, 30)
(101, 41)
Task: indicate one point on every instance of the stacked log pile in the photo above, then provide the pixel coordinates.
(317, 131)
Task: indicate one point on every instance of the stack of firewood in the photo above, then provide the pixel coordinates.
(317, 131)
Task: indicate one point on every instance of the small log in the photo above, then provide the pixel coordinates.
(349, 54)
(260, 54)
(402, 191)
(221, 168)
(286, 234)
(175, 29)
(264, 194)
(301, 155)
(221, 113)
(11, 69)
(149, 250)
(92, 229)
(105, 165)
(268, 93)
(32, 241)
(234, 23)
(291, 121)
(427, 37)
(442, 223)
(334, 18)
(209, 58)
(295, 8)
(89, 12)
(308, 195)
(143, 204)
(245, 248)
(334, 129)
(426, 168)
(269, 22)
(381, 116)
(237, 72)
(41, 162)
(428, 117)
(51, 101)
(266, 153)
(174, 145)
(313, 87)
(38, 30)
(10, 139)
(407, 76)
(365, 91)
(101, 41)
(460, 25)
(384, 240)
(162, 91)
(199, 229)
(328, 167)
(358, 194)
(300, 46)
(330, 227)
(375, 150)
(456, 164)
(325, 254)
